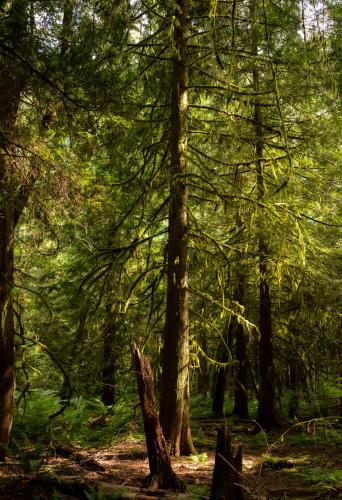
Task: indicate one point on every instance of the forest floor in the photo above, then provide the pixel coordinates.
(303, 463)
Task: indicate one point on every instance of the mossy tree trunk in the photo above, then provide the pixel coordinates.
(14, 192)
(241, 342)
(203, 384)
(241, 380)
(175, 354)
(266, 407)
(109, 358)
(220, 380)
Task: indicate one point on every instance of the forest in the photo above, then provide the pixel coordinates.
(170, 249)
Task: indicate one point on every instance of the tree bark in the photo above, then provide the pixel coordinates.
(7, 352)
(293, 387)
(175, 353)
(266, 407)
(161, 473)
(221, 376)
(109, 360)
(227, 474)
(340, 400)
(14, 193)
(219, 390)
(203, 382)
(67, 29)
(241, 380)
(186, 444)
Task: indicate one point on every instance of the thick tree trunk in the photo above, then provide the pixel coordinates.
(11, 207)
(161, 473)
(175, 354)
(227, 475)
(13, 197)
(7, 354)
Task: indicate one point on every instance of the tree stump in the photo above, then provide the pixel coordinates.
(227, 475)
(161, 474)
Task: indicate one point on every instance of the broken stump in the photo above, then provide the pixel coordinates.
(227, 474)
(161, 474)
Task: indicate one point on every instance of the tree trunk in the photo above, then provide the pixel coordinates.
(67, 30)
(13, 197)
(221, 376)
(340, 400)
(266, 411)
(7, 354)
(175, 353)
(109, 360)
(161, 473)
(186, 444)
(241, 380)
(203, 382)
(219, 390)
(266, 408)
(293, 387)
(227, 475)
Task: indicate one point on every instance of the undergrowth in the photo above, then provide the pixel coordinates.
(85, 422)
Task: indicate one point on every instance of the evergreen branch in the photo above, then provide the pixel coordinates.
(150, 37)
(207, 156)
(140, 278)
(248, 119)
(27, 289)
(9, 52)
(59, 365)
(205, 319)
(153, 11)
(277, 93)
(151, 56)
(212, 361)
(229, 87)
(229, 310)
(101, 270)
(323, 223)
(221, 247)
(137, 199)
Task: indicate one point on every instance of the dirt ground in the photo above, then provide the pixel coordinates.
(309, 470)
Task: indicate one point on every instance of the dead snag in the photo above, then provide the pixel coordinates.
(161, 473)
(227, 475)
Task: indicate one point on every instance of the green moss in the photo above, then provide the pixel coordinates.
(322, 476)
(198, 492)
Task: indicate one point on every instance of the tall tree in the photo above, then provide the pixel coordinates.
(266, 408)
(174, 385)
(16, 178)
